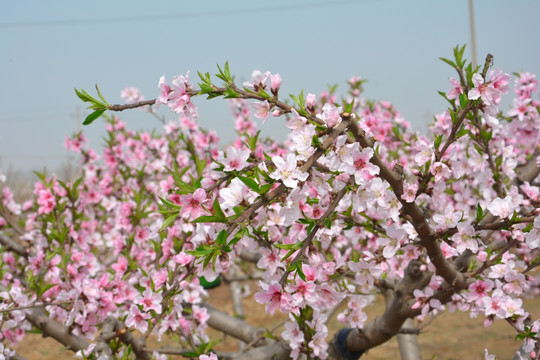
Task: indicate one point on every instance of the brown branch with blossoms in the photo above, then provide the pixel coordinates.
(318, 224)
(136, 241)
(268, 197)
(60, 333)
(428, 237)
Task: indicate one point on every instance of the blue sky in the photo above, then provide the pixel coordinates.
(49, 48)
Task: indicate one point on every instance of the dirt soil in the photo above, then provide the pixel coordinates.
(449, 337)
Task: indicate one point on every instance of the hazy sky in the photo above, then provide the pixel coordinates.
(47, 48)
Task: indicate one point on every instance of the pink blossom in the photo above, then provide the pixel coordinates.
(500, 80)
(236, 159)
(131, 95)
(46, 201)
(275, 83)
(200, 314)
(262, 110)
(192, 204)
(465, 238)
(258, 80)
(502, 208)
(318, 344)
(520, 108)
(449, 219)
(455, 89)
(164, 91)
(409, 192)
(233, 194)
(212, 356)
(121, 266)
(286, 171)
(274, 297)
(303, 293)
(137, 319)
(365, 272)
(293, 334)
(296, 121)
(479, 289)
(441, 171)
(311, 101)
(149, 301)
(330, 115)
(328, 295)
(487, 92)
(360, 166)
(425, 152)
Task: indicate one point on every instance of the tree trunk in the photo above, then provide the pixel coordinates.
(408, 343)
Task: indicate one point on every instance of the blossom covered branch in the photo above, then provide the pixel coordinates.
(353, 204)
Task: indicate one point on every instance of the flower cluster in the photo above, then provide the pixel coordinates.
(353, 203)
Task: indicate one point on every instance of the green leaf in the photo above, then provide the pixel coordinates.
(315, 141)
(101, 96)
(42, 289)
(479, 213)
(217, 209)
(225, 75)
(227, 71)
(449, 62)
(528, 228)
(222, 238)
(239, 234)
(288, 255)
(438, 140)
(168, 221)
(205, 78)
(93, 116)
(250, 183)
(209, 219)
(169, 204)
(328, 223)
(294, 246)
(299, 100)
(209, 284)
(184, 188)
(83, 95)
(231, 94)
(463, 100)
(252, 141)
(265, 188)
(462, 131)
(348, 106)
(299, 271)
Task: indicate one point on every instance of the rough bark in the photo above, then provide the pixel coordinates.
(234, 327)
(51, 328)
(408, 343)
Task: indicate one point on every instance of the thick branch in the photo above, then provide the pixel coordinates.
(12, 245)
(18, 357)
(51, 328)
(274, 351)
(232, 326)
(383, 328)
(428, 237)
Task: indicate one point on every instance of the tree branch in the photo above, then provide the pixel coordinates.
(60, 333)
(233, 326)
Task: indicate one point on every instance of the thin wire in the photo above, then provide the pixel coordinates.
(174, 16)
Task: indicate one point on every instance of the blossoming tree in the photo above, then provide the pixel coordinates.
(353, 204)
